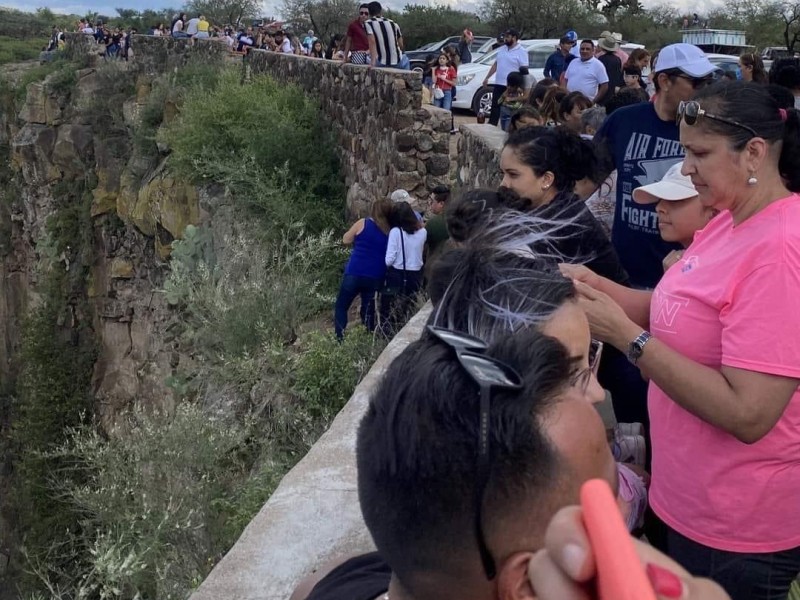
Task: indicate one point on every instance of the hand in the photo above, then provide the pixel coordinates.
(580, 273)
(607, 320)
(671, 258)
(566, 564)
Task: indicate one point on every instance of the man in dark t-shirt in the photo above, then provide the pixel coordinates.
(436, 225)
(356, 44)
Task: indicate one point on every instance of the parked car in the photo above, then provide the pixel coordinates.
(472, 95)
(417, 57)
(727, 63)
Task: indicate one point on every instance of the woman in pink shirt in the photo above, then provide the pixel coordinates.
(722, 353)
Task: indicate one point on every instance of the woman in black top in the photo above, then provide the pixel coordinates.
(541, 165)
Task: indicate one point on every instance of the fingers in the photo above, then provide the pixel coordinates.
(586, 290)
(566, 540)
(549, 582)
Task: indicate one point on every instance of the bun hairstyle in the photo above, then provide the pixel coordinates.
(557, 150)
(752, 105)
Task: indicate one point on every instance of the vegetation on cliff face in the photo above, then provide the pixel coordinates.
(146, 508)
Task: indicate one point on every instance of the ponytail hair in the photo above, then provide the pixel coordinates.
(557, 150)
(789, 162)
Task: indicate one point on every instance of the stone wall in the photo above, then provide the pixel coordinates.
(154, 55)
(386, 138)
(479, 156)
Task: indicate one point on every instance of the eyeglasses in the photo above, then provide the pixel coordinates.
(582, 378)
(690, 112)
(696, 82)
(488, 373)
(365, 14)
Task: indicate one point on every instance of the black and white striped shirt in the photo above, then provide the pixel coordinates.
(386, 33)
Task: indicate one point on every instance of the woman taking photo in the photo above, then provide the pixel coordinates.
(365, 271)
(403, 267)
(719, 340)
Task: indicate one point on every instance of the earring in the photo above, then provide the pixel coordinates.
(546, 187)
(753, 180)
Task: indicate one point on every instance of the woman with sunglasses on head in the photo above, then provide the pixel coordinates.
(752, 68)
(723, 358)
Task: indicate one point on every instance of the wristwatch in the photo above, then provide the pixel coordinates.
(636, 347)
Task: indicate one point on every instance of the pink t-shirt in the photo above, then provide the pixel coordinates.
(734, 300)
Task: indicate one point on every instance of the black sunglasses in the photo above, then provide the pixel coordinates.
(696, 82)
(364, 13)
(690, 113)
(488, 373)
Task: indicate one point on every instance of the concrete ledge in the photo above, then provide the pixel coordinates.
(314, 514)
(479, 156)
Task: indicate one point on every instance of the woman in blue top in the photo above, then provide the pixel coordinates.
(366, 269)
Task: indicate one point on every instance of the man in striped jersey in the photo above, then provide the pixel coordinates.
(385, 40)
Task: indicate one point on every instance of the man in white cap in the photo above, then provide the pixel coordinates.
(643, 143)
(680, 212)
(401, 195)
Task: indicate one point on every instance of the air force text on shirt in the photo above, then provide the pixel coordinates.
(647, 159)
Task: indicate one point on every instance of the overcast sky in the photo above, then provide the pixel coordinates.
(271, 7)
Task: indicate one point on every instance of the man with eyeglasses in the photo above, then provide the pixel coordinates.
(356, 44)
(643, 142)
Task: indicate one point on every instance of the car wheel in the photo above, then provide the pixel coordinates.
(482, 101)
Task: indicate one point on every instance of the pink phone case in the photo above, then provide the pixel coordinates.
(620, 573)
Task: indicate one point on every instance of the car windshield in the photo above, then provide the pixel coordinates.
(430, 46)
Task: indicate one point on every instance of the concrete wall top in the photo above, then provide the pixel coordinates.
(314, 515)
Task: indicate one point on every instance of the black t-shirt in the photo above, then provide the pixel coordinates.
(364, 577)
(583, 241)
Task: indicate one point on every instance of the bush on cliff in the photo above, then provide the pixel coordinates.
(266, 143)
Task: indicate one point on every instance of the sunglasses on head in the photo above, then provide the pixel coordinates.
(690, 113)
(488, 373)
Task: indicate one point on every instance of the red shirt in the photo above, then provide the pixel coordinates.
(442, 73)
(358, 37)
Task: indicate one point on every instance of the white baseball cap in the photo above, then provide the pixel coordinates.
(673, 186)
(400, 196)
(686, 57)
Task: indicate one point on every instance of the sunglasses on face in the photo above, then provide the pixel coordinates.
(488, 373)
(696, 83)
(690, 113)
(364, 14)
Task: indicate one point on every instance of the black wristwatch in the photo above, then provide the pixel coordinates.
(636, 347)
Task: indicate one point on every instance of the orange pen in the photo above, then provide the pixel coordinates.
(620, 573)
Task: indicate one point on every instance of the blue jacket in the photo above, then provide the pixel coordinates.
(556, 64)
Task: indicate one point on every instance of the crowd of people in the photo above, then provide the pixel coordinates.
(620, 308)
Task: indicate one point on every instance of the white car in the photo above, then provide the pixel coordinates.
(471, 94)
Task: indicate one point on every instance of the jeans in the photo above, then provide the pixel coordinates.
(505, 117)
(745, 576)
(179, 34)
(396, 310)
(446, 101)
(404, 64)
(494, 115)
(352, 286)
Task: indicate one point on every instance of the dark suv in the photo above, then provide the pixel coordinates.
(417, 57)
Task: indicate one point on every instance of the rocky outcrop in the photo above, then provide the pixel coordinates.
(385, 137)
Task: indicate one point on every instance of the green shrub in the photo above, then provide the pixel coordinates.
(265, 142)
(16, 50)
(327, 371)
(262, 292)
(147, 494)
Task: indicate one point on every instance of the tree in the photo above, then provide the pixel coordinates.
(225, 12)
(790, 15)
(423, 24)
(536, 18)
(325, 17)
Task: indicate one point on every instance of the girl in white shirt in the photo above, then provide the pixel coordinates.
(404, 267)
